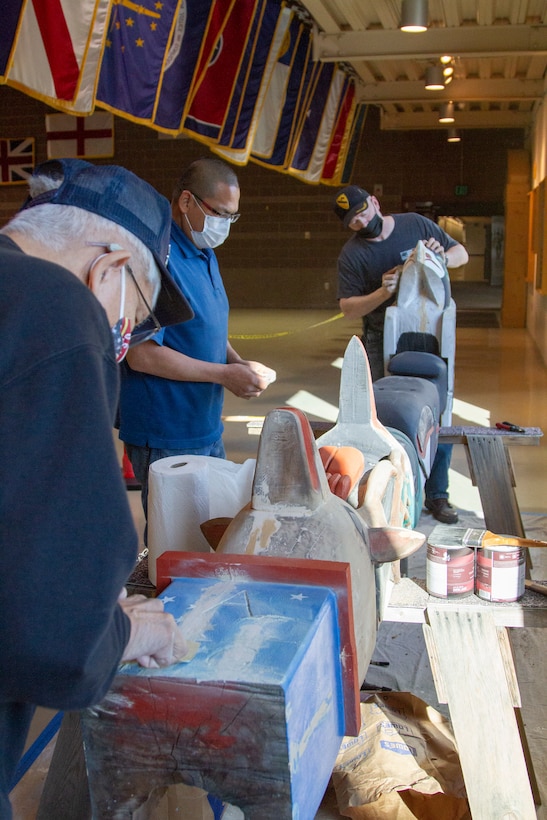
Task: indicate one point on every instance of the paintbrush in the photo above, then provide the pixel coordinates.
(541, 588)
(446, 535)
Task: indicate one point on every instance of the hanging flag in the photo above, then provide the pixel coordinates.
(90, 137)
(285, 98)
(253, 82)
(228, 32)
(135, 54)
(56, 50)
(339, 139)
(185, 47)
(312, 142)
(357, 128)
(10, 12)
(16, 160)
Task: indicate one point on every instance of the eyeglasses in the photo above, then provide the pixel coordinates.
(148, 328)
(231, 217)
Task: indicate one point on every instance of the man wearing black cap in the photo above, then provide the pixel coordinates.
(81, 266)
(368, 272)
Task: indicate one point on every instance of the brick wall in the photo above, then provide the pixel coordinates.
(282, 252)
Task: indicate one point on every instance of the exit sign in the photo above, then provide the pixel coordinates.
(461, 190)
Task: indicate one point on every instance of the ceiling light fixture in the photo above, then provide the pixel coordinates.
(453, 135)
(414, 16)
(434, 78)
(446, 112)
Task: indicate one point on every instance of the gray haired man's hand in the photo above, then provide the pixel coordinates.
(155, 640)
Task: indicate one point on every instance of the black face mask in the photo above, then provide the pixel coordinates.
(373, 229)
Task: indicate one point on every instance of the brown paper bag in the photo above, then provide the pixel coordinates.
(402, 765)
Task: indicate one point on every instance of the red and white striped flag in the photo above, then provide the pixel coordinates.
(16, 160)
(89, 137)
(56, 52)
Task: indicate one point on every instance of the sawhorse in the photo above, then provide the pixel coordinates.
(473, 671)
(491, 471)
(469, 646)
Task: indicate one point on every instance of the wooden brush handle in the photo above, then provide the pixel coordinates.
(491, 540)
(541, 588)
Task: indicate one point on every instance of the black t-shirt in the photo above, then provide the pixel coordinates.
(363, 262)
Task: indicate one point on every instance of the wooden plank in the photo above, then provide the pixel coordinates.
(509, 666)
(410, 599)
(458, 435)
(431, 647)
(447, 435)
(482, 714)
(65, 795)
(494, 480)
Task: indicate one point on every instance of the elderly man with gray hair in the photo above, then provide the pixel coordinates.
(81, 267)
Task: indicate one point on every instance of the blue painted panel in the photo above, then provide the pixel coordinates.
(315, 715)
(248, 631)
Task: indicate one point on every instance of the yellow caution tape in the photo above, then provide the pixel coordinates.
(284, 332)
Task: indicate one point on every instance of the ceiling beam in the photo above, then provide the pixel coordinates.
(464, 42)
(424, 121)
(322, 17)
(408, 91)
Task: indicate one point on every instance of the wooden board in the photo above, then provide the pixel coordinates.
(492, 473)
(482, 714)
(255, 718)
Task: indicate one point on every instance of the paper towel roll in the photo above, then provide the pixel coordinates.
(183, 492)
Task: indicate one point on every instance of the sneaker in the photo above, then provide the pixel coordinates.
(442, 510)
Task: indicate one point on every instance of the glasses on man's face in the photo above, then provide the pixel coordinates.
(145, 330)
(231, 217)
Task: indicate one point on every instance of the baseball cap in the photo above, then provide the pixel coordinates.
(119, 195)
(349, 201)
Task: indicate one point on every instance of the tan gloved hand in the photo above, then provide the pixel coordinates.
(155, 640)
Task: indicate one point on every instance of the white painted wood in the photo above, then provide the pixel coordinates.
(482, 714)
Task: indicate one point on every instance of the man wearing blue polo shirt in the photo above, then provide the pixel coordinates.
(173, 387)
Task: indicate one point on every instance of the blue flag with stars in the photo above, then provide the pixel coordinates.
(136, 48)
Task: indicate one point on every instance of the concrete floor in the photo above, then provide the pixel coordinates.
(499, 376)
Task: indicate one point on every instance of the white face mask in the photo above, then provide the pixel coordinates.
(215, 232)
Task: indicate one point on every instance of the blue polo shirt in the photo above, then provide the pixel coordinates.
(162, 413)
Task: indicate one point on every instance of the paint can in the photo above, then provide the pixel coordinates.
(450, 571)
(500, 573)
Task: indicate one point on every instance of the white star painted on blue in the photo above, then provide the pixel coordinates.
(167, 599)
(299, 597)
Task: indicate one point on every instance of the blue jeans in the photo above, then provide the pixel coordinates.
(142, 457)
(436, 485)
(373, 341)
